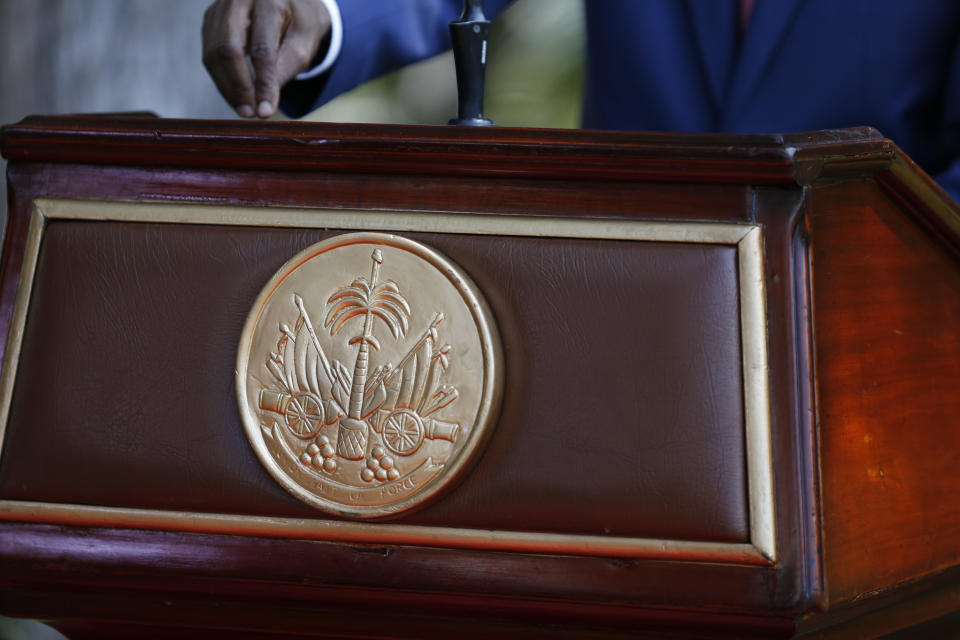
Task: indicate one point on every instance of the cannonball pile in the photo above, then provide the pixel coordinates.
(321, 455)
(379, 467)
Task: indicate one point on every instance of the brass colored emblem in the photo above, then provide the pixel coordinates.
(369, 374)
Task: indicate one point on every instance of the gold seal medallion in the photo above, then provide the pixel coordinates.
(368, 375)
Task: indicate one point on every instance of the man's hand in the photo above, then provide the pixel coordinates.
(281, 38)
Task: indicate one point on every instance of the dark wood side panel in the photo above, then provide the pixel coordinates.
(887, 324)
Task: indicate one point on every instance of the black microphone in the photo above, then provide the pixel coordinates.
(469, 35)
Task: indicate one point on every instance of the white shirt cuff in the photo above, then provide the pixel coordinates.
(336, 43)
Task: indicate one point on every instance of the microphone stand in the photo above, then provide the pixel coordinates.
(469, 35)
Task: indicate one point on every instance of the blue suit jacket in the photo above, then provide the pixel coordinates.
(681, 65)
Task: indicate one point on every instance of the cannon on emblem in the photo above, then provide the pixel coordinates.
(403, 430)
(414, 394)
(303, 412)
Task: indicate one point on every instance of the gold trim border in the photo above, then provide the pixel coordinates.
(374, 534)
(747, 238)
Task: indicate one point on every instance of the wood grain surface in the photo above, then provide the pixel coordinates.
(887, 323)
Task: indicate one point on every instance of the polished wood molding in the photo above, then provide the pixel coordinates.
(480, 152)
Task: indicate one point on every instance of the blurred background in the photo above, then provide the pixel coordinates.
(83, 56)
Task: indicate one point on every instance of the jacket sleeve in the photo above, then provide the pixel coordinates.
(949, 179)
(379, 37)
(947, 175)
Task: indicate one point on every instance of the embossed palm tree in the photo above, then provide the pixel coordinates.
(370, 300)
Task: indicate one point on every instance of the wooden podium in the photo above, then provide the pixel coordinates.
(730, 400)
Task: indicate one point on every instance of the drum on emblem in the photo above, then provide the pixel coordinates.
(369, 375)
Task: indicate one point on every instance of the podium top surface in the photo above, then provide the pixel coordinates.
(609, 155)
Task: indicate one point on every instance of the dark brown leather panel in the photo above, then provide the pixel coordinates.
(622, 413)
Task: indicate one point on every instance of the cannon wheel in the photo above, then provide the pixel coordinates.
(304, 415)
(403, 431)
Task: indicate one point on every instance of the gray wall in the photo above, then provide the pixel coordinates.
(71, 56)
(63, 56)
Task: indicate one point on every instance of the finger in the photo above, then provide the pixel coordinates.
(269, 21)
(309, 28)
(296, 53)
(224, 36)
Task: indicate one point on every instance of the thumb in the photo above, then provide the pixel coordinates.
(265, 32)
